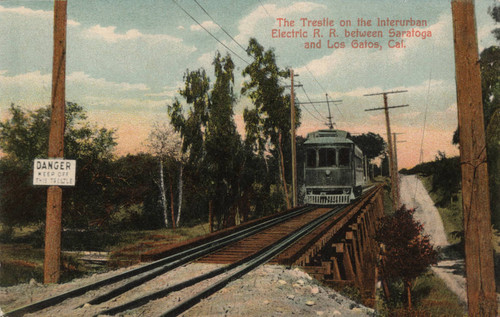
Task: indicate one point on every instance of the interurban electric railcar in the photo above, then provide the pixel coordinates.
(333, 169)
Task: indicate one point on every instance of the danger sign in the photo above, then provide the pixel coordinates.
(54, 172)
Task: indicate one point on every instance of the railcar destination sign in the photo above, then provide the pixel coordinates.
(54, 172)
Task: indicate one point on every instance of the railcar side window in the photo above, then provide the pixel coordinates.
(311, 158)
(327, 157)
(344, 156)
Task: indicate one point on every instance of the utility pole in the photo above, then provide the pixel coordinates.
(396, 169)
(294, 152)
(475, 189)
(394, 185)
(52, 261)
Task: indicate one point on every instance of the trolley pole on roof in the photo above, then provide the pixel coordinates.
(330, 121)
(392, 172)
(479, 265)
(294, 152)
(52, 261)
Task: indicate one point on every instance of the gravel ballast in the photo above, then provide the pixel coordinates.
(269, 290)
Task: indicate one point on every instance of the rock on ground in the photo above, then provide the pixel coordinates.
(269, 290)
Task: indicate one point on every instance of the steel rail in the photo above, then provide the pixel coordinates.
(241, 263)
(246, 265)
(264, 256)
(157, 267)
(190, 257)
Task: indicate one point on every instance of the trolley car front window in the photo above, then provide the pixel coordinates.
(311, 158)
(344, 154)
(327, 157)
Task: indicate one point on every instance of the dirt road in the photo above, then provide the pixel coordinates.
(414, 195)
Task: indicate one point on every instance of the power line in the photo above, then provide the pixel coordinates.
(219, 25)
(305, 65)
(312, 115)
(315, 79)
(337, 108)
(264, 9)
(209, 32)
(312, 103)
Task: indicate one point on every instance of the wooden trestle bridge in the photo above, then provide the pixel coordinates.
(333, 244)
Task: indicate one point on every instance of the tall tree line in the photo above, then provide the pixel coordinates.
(203, 168)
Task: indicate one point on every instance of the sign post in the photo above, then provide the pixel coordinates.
(52, 261)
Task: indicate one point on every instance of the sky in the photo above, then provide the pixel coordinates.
(126, 60)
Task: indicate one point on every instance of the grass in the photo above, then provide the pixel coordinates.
(430, 295)
(387, 193)
(451, 214)
(22, 254)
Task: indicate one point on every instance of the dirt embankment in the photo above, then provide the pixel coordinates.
(414, 195)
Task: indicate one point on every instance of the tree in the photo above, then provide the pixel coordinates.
(24, 137)
(165, 145)
(372, 144)
(223, 159)
(407, 252)
(191, 128)
(268, 123)
(210, 137)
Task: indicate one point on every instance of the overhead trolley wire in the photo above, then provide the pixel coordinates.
(220, 26)
(312, 115)
(337, 108)
(264, 8)
(315, 79)
(187, 13)
(421, 157)
(307, 68)
(307, 96)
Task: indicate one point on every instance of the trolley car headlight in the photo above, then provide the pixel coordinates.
(328, 172)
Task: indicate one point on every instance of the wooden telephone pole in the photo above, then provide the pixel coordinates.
(52, 261)
(294, 151)
(475, 190)
(392, 173)
(396, 168)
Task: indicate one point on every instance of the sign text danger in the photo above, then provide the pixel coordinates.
(54, 172)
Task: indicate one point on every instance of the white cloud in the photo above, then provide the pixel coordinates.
(32, 78)
(206, 59)
(27, 12)
(34, 89)
(110, 35)
(80, 78)
(167, 91)
(324, 65)
(209, 25)
(249, 24)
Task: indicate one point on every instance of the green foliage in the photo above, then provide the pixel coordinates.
(268, 123)
(24, 137)
(372, 144)
(407, 252)
(216, 157)
(451, 214)
(270, 116)
(493, 147)
(445, 177)
(195, 93)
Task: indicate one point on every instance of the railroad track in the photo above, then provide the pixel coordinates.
(275, 235)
